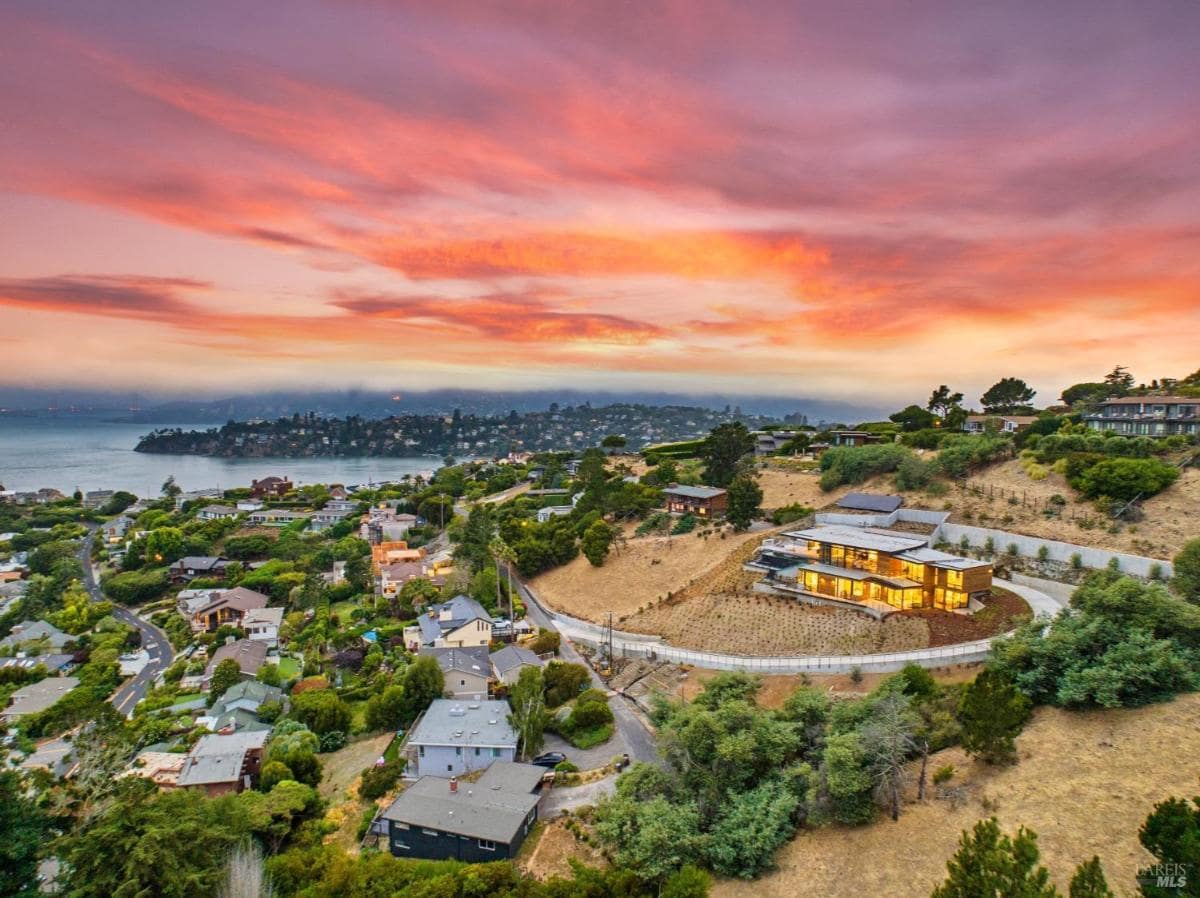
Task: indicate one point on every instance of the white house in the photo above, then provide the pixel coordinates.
(455, 737)
(262, 625)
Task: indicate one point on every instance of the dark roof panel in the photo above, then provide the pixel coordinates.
(870, 502)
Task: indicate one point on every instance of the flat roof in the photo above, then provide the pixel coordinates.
(860, 538)
(464, 723)
(870, 501)
(694, 492)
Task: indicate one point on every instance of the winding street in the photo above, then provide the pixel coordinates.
(154, 640)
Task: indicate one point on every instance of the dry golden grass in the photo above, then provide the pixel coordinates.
(635, 575)
(1084, 784)
(1170, 517)
(786, 487)
(554, 846)
(757, 624)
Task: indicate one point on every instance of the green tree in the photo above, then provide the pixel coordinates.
(992, 712)
(528, 702)
(1119, 381)
(725, 446)
(913, 418)
(988, 864)
(942, 401)
(1007, 396)
(745, 501)
(688, 881)
(1172, 834)
(845, 785)
(422, 682)
(385, 710)
(653, 838)
(170, 488)
(1089, 881)
(1125, 479)
(358, 572)
(1186, 581)
(1084, 393)
(613, 441)
(164, 545)
(23, 826)
(596, 542)
(752, 827)
(272, 773)
(563, 681)
(226, 674)
(322, 711)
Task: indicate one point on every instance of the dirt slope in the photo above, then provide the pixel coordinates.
(1085, 783)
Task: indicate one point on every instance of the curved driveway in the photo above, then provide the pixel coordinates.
(652, 647)
(154, 640)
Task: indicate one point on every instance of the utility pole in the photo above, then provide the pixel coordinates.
(610, 640)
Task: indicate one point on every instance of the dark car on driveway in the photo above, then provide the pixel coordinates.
(550, 759)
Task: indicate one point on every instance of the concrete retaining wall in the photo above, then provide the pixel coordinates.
(866, 519)
(1137, 565)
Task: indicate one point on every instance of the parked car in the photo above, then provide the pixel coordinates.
(550, 759)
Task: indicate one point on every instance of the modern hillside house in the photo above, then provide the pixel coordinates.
(703, 501)
(1151, 416)
(878, 571)
(999, 423)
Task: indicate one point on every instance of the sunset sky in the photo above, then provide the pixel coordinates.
(807, 199)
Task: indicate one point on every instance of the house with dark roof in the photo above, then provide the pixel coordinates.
(455, 737)
(870, 502)
(702, 501)
(464, 670)
(874, 570)
(444, 819)
(249, 654)
(270, 487)
(508, 662)
(192, 566)
(217, 512)
(237, 709)
(460, 622)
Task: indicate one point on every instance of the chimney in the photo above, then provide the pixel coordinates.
(453, 784)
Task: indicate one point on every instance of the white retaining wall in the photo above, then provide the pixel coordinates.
(866, 519)
(1028, 546)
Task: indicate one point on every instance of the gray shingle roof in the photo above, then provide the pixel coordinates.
(495, 813)
(512, 656)
(219, 759)
(454, 722)
(472, 660)
(39, 696)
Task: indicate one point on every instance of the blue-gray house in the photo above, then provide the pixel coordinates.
(456, 737)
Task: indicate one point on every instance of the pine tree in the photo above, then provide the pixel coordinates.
(745, 501)
(1089, 881)
(988, 864)
(992, 712)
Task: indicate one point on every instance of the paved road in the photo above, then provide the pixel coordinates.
(639, 741)
(154, 640)
(567, 798)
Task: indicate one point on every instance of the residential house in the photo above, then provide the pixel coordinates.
(442, 819)
(272, 487)
(394, 551)
(37, 697)
(228, 606)
(160, 767)
(873, 502)
(768, 442)
(454, 737)
(508, 662)
(250, 505)
(249, 655)
(326, 517)
(392, 577)
(196, 496)
(702, 501)
(262, 625)
(278, 517)
(460, 622)
(998, 423)
(192, 566)
(237, 710)
(220, 764)
(189, 601)
(113, 532)
(1152, 416)
(35, 635)
(217, 512)
(546, 512)
(54, 663)
(464, 671)
(874, 570)
(97, 498)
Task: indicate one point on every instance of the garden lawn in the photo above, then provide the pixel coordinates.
(289, 668)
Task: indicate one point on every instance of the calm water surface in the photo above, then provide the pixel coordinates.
(91, 454)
